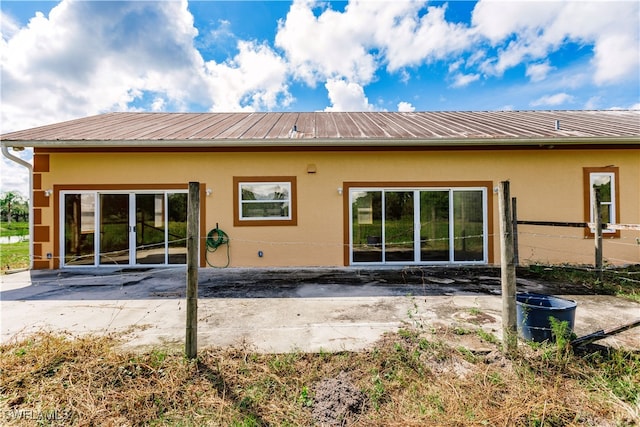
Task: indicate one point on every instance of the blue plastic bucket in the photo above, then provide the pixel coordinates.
(534, 310)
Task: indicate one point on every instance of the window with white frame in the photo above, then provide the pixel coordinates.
(603, 181)
(264, 200)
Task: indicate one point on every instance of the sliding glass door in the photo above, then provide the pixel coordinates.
(114, 229)
(133, 228)
(418, 226)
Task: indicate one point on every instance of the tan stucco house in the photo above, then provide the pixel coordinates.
(331, 189)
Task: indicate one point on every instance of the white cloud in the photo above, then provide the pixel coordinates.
(538, 72)
(592, 103)
(331, 45)
(84, 59)
(406, 107)
(462, 80)
(90, 57)
(345, 96)
(254, 79)
(553, 100)
(407, 36)
(535, 29)
(158, 104)
(455, 65)
(344, 49)
(8, 26)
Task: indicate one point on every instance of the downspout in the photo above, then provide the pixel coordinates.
(5, 152)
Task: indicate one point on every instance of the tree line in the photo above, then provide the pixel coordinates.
(13, 207)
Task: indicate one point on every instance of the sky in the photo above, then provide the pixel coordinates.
(68, 59)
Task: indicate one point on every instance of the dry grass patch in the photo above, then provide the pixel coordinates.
(408, 378)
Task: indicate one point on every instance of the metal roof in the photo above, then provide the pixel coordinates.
(335, 129)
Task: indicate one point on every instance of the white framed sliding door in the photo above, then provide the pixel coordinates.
(418, 225)
(103, 228)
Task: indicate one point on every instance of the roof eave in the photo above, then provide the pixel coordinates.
(332, 142)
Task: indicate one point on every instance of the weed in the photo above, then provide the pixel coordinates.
(305, 397)
(458, 330)
(561, 334)
(376, 395)
(435, 402)
(487, 336)
(475, 311)
(495, 378)
(248, 421)
(467, 354)
(412, 314)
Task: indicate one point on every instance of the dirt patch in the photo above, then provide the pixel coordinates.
(337, 401)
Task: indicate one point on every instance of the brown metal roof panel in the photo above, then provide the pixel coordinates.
(218, 124)
(193, 123)
(208, 127)
(55, 131)
(423, 125)
(262, 126)
(610, 124)
(305, 126)
(496, 125)
(399, 126)
(459, 126)
(367, 126)
(388, 127)
(448, 124)
(243, 123)
(153, 123)
(166, 128)
(325, 126)
(136, 129)
(429, 123)
(345, 126)
(283, 127)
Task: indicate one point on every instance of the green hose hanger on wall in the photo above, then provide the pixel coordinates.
(215, 239)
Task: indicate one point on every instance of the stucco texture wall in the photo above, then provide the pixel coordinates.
(548, 185)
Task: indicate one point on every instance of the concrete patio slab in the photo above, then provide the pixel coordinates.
(273, 311)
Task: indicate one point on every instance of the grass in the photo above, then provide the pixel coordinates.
(14, 255)
(412, 378)
(623, 281)
(14, 229)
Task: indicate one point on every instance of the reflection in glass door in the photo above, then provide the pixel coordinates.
(114, 229)
(366, 222)
(79, 229)
(434, 226)
(468, 225)
(177, 228)
(150, 229)
(398, 226)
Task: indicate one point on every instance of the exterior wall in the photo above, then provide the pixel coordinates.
(548, 185)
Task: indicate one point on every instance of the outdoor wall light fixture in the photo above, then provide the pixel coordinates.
(340, 190)
(48, 193)
(209, 191)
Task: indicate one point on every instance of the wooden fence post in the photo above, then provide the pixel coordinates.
(507, 271)
(193, 225)
(597, 216)
(514, 222)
